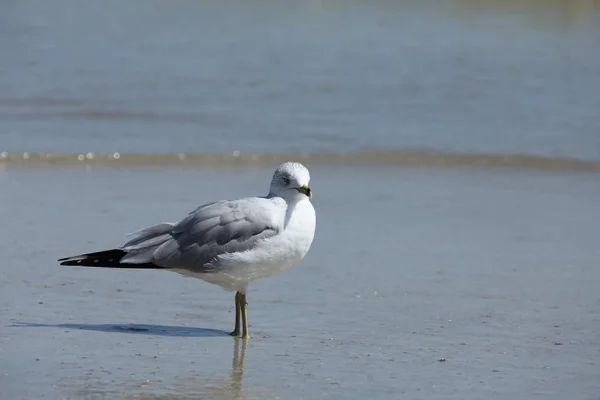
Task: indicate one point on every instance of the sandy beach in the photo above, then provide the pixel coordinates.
(462, 283)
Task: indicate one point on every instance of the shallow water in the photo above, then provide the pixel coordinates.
(449, 283)
(500, 77)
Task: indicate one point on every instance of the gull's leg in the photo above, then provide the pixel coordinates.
(238, 312)
(244, 306)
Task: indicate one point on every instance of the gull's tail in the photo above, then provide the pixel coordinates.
(104, 259)
(136, 253)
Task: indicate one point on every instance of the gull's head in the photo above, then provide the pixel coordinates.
(290, 181)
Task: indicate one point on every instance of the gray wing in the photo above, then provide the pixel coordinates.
(207, 232)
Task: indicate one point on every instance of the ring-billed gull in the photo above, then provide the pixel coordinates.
(229, 243)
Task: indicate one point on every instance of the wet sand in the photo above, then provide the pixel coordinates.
(423, 283)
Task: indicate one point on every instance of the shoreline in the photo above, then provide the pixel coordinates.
(236, 158)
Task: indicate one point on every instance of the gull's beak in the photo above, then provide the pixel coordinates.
(305, 190)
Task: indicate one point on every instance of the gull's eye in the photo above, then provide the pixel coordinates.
(286, 180)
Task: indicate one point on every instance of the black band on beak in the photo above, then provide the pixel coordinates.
(305, 190)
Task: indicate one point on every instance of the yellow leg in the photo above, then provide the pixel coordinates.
(238, 314)
(244, 306)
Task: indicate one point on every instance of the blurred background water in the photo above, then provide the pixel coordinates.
(499, 77)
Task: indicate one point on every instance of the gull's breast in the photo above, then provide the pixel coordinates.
(276, 254)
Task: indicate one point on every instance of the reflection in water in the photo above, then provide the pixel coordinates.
(237, 367)
(189, 388)
(194, 388)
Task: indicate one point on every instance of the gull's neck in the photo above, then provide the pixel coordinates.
(294, 206)
(291, 199)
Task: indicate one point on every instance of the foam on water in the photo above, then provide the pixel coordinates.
(238, 158)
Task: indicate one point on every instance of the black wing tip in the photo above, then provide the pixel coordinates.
(73, 260)
(106, 258)
(66, 261)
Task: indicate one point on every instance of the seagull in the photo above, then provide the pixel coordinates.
(229, 243)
